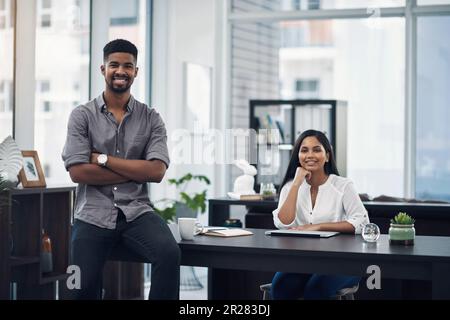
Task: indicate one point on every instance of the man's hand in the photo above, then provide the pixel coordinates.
(307, 227)
(94, 156)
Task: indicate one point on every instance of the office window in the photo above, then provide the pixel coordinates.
(6, 70)
(433, 113)
(335, 58)
(57, 70)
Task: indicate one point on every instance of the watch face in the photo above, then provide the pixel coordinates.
(102, 159)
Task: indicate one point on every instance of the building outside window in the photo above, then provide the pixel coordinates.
(46, 106)
(6, 19)
(306, 89)
(45, 13)
(305, 4)
(5, 97)
(433, 112)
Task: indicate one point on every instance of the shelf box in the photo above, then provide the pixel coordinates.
(30, 211)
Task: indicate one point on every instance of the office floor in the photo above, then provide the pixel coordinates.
(193, 284)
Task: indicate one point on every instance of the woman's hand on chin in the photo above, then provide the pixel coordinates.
(301, 174)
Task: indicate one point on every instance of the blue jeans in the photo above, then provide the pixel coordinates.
(148, 236)
(289, 286)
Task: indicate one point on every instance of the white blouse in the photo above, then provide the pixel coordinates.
(337, 200)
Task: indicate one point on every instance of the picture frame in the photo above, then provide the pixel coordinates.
(31, 174)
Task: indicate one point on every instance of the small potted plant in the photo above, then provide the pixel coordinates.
(402, 230)
(188, 204)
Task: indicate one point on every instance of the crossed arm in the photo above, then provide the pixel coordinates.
(342, 226)
(118, 170)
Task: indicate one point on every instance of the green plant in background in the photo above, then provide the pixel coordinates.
(402, 218)
(194, 202)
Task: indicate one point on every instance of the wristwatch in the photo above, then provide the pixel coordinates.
(102, 159)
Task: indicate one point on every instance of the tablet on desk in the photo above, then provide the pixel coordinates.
(301, 233)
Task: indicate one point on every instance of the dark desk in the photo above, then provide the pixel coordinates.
(432, 219)
(428, 259)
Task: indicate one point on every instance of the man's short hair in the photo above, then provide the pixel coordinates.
(119, 45)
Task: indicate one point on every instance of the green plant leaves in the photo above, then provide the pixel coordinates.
(195, 202)
(402, 218)
(188, 177)
(167, 214)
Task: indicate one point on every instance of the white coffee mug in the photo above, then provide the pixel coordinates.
(189, 227)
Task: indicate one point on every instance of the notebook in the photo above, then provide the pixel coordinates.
(225, 232)
(301, 233)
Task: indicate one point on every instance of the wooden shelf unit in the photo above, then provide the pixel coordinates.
(21, 224)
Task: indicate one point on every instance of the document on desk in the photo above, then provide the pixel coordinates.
(302, 233)
(225, 232)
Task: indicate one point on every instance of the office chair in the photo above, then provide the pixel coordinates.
(343, 294)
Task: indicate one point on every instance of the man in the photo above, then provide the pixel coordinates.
(115, 145)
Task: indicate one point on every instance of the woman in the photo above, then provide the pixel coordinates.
(314, 197)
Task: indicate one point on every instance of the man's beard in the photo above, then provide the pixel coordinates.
(118, 90)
